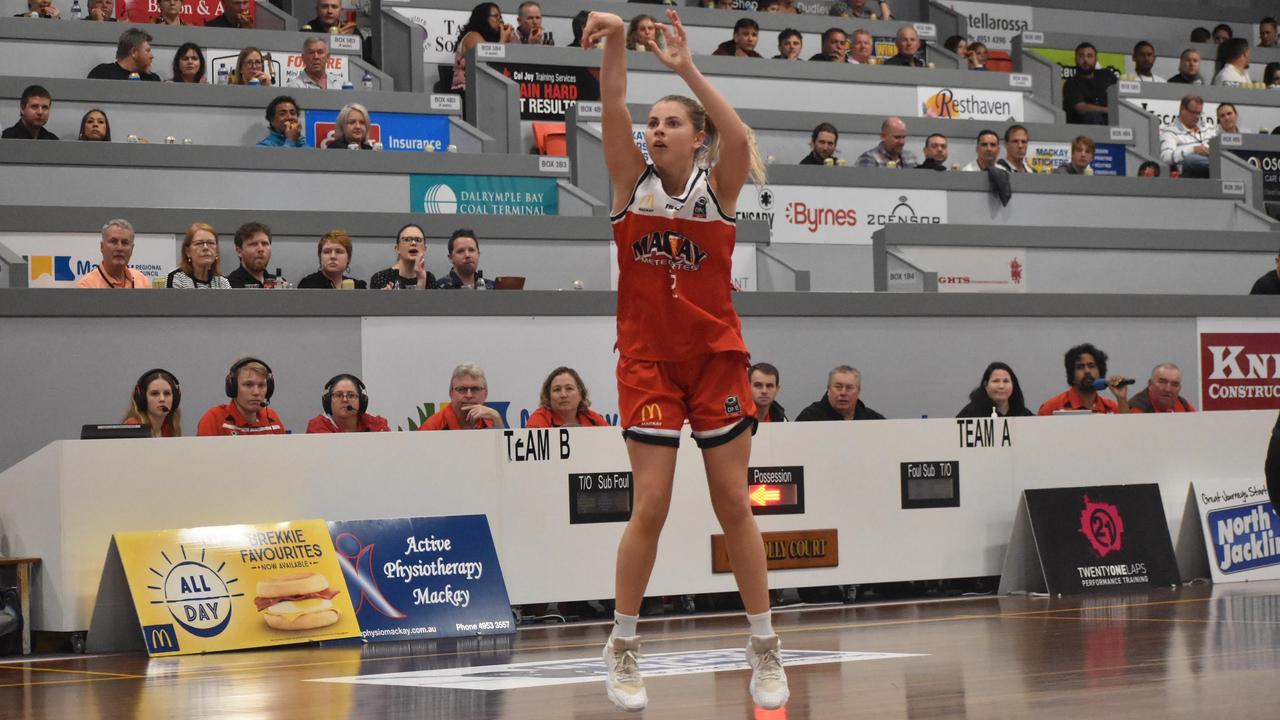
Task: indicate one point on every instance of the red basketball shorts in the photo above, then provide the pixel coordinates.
(712, 392)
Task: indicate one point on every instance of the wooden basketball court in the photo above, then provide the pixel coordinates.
(1195, 652)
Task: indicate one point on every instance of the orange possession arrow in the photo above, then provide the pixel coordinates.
(763, 495)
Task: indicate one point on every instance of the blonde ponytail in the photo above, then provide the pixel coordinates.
(709, 155)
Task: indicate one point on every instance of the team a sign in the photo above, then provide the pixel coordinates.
(483, 195)
(1240, 369)
(402, 132)
(810, 214)
(968, 104)
(59, 260)
(548, 91)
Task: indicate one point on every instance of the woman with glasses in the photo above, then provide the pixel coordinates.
(410, 269)
(346, 408)
(484, 25)
(198, 269)
(251, 68)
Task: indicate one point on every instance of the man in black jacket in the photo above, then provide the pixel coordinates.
(765, 382)
(841, 402)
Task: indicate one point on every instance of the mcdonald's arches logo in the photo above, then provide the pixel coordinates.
(652, 412)
(160, 639)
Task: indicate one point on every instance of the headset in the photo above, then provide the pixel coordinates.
(326, 400)
(233, 378)
(140, 388)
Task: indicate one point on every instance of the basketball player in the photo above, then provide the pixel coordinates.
(682, 356)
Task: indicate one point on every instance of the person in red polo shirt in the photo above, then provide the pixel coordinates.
(564, 402)
(466, 410)
(1161, 394)
(346, 408)
(250, 385)
(1085, 364)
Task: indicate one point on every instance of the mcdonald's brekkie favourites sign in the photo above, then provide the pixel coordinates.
(231, 587)
(968, 104)
(1239, 364)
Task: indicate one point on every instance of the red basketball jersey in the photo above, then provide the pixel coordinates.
(675, 270)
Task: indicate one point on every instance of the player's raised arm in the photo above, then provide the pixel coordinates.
(621, 156)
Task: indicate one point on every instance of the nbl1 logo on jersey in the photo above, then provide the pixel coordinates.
(668, 248)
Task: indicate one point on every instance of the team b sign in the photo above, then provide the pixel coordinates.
(845, 215)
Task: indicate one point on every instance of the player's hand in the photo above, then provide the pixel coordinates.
(601, 25)
(676, 55)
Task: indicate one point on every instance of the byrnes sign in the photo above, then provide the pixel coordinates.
(810, 214)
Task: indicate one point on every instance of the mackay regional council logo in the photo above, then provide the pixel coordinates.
(1102, 526)
(196, 594)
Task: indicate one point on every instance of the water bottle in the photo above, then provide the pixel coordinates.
(223, 75)
(367, 81)
(134, 76)
(480, 280)
(76, 12)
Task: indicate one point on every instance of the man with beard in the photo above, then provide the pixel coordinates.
(253, 245)
(1084, 95)
(1085, 364)
(822, 145)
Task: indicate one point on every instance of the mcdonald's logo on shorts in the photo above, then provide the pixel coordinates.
(652, 412)
(160, 639)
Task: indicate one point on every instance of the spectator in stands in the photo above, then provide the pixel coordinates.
(1149, 168)
(978, 57)
(315, 65)
(253, 246)
(835, 45)
(188, 64)
(1228, 119)
(133, 59)
(988, 151)
(42, 9)
(328, 17)
(113, 271)
(235, 14)
(199, 266)
(529, 29)
(861, 46)
(1084, 95)
(908, 42)
(1269, 283)
(1271, 74)
(1233, 63)
(1267, 32)
(822, 145)
(957, 45)
(95, 127)
(250, 384)
(841, 401)
(1161, 394)
(746, 33)
(1144, 58)
(286, 125)
(891, 151)
(1184, 144)
(787, 7)
(484, 25)
(998, 395)
(34, 109)
(867, 9)
(334, 252)
(154, 402)
(1016, 139)
(642, 31)
(564, 402)
(170, 12)
(252, 68)
(935, 152)
(352, 129)
(765, 383)
(1085, 364)
(100, 10)
(790, 45)
(1201, 35)
(466, 410)
(1081, 162)
(1188, 68)
(464, 254)
(410, 270)
(346, 408)
(1221, 33)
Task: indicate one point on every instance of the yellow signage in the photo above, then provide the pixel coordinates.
(208, 589)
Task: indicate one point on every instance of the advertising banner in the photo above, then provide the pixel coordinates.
(441, 29)
(416, 578)
(968, 104)
(283, 67)
(1240, 527)
(194, 12)
(1066, 59)
(1166, 111)
(58, 260)
(991, 24)
(230, 587)
(844, 215)
(974, 269)
(1112, 537)
(1045, 157)
(483, 195)
(401, 132)
(548, 91)
(1239, 364)
(1269, 164)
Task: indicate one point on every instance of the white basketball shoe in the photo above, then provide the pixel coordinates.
(768, 679)
(624, 685)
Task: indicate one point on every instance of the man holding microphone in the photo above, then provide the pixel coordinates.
(1085, 366)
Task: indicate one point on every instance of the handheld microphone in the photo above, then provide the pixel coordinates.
(1101, 384)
